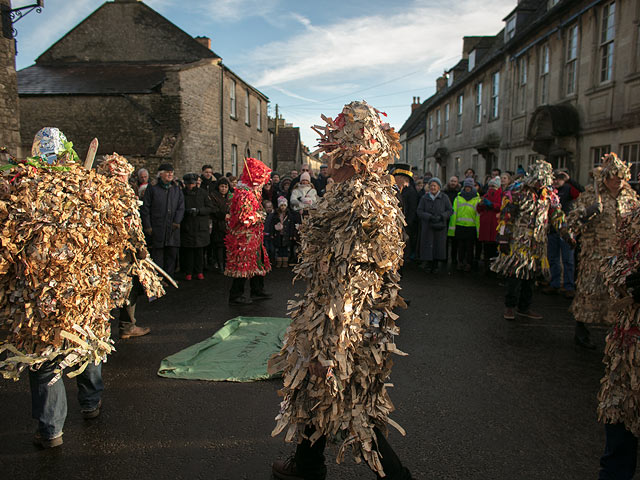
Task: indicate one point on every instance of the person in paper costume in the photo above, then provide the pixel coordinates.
(594, 219)
(619, 396)
(528, 208)
(336, 357)
(246, 255)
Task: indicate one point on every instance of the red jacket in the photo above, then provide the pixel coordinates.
(489, 209)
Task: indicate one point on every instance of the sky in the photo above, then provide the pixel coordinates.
(309, 58)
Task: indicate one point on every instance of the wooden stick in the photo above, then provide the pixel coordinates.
(91, 154)
(161, 271)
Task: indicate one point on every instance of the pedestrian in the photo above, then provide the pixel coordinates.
(451, 190)
(410, 199)
(194, 230)
(142, 182)
(268, 192)
(220, 204)
(207, 178)
(465, 223)
(527, 210)
(594, 221)
(489, 210)
(233, 180)
(321, 180)
(284, 188)
(505, 181)
(162, 212)
(336, 382)
(434, 212)
(280, 225)
(246, 255)
(304, 195)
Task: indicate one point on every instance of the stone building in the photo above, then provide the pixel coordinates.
(147, 90)
(288, 148)
(9, 111)
(561, 81)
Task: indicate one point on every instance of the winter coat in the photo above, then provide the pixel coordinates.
(464, 214)
(194, 229)
(219, 209)
(451, 193)
(163, 208)
(434, 215)
(284, 237)
(302, 193)
(489, 210)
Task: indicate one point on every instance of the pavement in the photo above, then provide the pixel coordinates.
(479, 397)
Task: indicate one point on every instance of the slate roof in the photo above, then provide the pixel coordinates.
(90, 79)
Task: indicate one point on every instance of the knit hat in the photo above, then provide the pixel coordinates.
(305, 176)
(469, 182)
(165, 167)
(494, 182)
(190, 178)
(435, 180)
(282, 201)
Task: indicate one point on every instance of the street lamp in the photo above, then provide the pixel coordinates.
(12, 15)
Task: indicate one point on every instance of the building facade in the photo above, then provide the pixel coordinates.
(148, 91)
(561, 81)
(9, 111)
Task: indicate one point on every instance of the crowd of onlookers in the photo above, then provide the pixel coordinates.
(185, 219)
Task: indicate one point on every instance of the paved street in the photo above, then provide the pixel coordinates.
(480, 398)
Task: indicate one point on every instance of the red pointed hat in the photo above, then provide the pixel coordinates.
(255, 172)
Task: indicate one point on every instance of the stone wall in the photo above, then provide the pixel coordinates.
(9, 111)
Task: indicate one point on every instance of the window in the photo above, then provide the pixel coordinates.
(459, 110)
(259, 155)
(495, 95)
(472, 60)
(446, 119)
(450, 78)
(519, 162)
(478, 106)
(607, 36)
(631, 155)
(247, 119)
(533, 158)
(232, 98)
(544, 75)
(521, 97)
(510, 30)
(234, 160)
(259, 115)
(438, 124)
(552, 3)
(598, 152)
(572, 59)
(430, 130)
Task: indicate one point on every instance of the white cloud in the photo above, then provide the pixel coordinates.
(291, 94)
(421, 36)
(236, 10)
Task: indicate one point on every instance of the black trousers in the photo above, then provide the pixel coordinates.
(519, 293)
(192, 260)
(165, 258)
(310, 458)
(620, 454)
(256, 285)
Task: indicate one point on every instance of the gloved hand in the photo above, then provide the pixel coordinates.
(504, 248)
(436, 218)
(633, 284)
(175, 226)
(486, 202)
(141, 254)
(193, 211)
(594, 209)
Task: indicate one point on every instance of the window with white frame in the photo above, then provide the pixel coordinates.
(544, 74)
(438, 124)
(446, 119)
(234, 160)
(607, 37)
(232, 98)
(459, 110)
(571, 66)
(472, 60)
(259, 115)
(247, 118)
(597, 153)
(630, 153)
(430, 128)
(521, 97)
(478, 106)
(510, 29)
(495, 95)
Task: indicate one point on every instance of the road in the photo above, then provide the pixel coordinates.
(479, 397)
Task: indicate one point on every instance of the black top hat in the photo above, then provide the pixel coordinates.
(401, 169)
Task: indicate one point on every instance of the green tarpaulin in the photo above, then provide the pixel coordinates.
(238, 352)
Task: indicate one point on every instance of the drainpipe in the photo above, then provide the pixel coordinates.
(222, 119)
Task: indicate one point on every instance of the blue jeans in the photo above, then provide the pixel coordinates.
(556, 247)
(619, 459)
(49, 402)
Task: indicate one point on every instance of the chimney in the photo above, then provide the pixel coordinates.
(441, 83)
(204, 41)
(415, 104)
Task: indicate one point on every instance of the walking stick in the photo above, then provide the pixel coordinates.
(161, 271)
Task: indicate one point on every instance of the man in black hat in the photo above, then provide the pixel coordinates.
(162, 212)
(409, 198)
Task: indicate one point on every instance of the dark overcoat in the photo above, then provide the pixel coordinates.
(194, 229)
(434, 215)
(162, 208)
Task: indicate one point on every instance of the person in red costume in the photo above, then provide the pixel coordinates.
(246, 255)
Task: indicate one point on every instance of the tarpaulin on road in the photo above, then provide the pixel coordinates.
(238, 352)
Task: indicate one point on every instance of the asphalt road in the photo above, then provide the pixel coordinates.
(479, 397)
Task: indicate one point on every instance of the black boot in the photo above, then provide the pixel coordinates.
(582, 337)
(434, 266)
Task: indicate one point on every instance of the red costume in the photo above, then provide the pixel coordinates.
(489, 215)
(246, 255)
